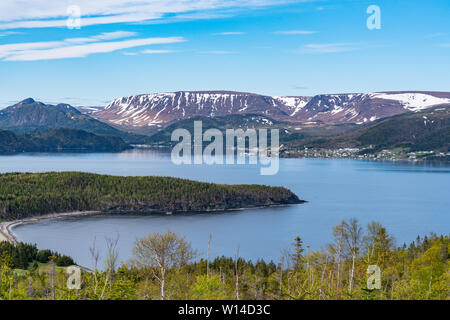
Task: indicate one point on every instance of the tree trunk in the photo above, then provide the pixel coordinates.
(236, 270)
(163, 283)
(350, 286)
(207, 260)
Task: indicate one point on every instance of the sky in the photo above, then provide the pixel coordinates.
(274, 47)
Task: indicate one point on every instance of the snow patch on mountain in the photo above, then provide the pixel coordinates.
(295, 104)
(412, 101)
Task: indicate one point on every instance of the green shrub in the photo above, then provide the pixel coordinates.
(64, 261)
(43, 255)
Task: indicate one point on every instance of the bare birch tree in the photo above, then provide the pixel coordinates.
(352, 236)
(160, 252)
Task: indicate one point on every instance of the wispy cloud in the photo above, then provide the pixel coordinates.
(183, 17)
(85, 21)
(77, 47)
(8, 33)
(102, 37)
(17, 48)
(327, 48)
(47, 13)
(229, 33)
(435, 35)
(147, 51)
(295, 32)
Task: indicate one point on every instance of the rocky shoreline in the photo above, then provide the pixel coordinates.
(6, 233)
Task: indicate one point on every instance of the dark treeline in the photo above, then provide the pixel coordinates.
(28, 194)
(24, 255)
(164, 266)
(59, 140)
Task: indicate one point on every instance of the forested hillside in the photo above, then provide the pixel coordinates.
(28, 194)
(288, 131)
(419, 131)
(419, 270)
(59, 140)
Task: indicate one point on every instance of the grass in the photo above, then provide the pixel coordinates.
(42, 268)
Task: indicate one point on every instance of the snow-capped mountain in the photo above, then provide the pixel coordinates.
(361, 108)
(152, 109)
(162, 108)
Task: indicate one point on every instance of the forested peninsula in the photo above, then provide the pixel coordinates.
(32, 194)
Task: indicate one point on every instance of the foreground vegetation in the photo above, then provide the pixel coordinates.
(28, 194)
(163, 267)
(27, 256)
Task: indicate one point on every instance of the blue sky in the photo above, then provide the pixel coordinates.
(270, 47)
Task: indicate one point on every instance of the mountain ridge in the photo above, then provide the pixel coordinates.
(159, 109)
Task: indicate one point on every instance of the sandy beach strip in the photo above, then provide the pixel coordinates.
(6, 233)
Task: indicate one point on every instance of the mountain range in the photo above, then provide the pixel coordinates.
(375, 120)
(160, 109)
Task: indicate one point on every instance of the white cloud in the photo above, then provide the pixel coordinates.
(77, 47)
(16, 48)
(327, 48)
(13, 48)
(53, 13)
(85, 21)
(295, 32)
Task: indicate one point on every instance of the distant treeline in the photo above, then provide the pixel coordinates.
(27, 194)
(59, 140)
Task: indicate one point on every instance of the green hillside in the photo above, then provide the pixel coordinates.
(427, 130)
(59, 140)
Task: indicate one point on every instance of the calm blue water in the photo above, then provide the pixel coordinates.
(408, 199)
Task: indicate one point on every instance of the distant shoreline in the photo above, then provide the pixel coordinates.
(6, 233)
